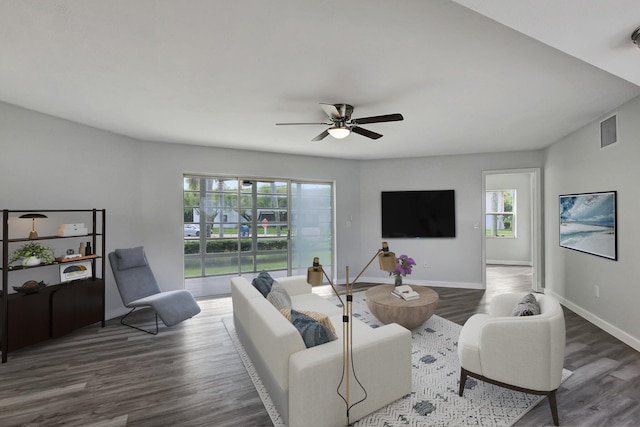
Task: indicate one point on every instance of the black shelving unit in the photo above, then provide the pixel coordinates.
(58, 309)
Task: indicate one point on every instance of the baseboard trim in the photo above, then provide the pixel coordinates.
(602, 324)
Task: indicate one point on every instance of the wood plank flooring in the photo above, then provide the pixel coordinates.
(190, 374)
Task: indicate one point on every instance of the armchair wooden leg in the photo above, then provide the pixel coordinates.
(463, 380)
(551, 395)
(554, 407)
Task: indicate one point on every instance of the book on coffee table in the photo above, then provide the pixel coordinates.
(405, 292)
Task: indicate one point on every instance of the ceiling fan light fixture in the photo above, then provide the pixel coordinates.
(339, 132)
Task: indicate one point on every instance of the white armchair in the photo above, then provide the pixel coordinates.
(522, 353)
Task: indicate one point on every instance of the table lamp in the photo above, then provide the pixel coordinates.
(33, 235)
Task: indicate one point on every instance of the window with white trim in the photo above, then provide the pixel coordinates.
(500, 215)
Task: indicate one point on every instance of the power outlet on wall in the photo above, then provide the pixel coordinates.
(425, 265)
(596, 291)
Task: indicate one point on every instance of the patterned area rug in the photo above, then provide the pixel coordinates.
(434, 400)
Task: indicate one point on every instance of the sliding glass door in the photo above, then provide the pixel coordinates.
(311, 225)
(246, 225)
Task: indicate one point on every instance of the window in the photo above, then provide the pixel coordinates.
(500, 217)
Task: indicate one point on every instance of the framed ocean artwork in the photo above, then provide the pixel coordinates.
(588, 223)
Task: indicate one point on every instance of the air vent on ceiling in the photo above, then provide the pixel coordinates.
(609, 131)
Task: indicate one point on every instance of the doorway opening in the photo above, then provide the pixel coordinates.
(512, 242)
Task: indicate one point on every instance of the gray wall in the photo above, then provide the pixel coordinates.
(450, 262)
(506, 250)
(577, 164)
(48, 163)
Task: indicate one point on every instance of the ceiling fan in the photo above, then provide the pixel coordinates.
(342, 124)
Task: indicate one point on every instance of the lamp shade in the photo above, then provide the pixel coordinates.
(33, 215)
(314, 273)
(387, 258)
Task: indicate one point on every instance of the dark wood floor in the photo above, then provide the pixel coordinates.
(190, 375)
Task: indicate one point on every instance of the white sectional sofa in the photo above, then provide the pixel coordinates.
(302, 381)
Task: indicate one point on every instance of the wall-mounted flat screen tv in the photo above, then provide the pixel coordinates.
(416, 214)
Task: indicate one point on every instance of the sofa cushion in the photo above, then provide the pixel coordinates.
(263, 283)
(279, 297)
(528, 306)
(313, 332)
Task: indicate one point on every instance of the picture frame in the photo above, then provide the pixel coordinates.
(588, 223)
(75, 271)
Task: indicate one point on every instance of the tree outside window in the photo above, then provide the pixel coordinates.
(500, 218)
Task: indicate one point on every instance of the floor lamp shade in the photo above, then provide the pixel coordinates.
(314, 273)
(387, 259)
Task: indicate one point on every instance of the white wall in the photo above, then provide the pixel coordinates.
(507, 250)
(48, 163)
(450, 262)
(577, 164)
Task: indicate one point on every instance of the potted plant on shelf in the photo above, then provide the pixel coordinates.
(33, 254)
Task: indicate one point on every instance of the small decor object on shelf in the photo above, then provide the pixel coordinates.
(33, 254)
(403, 267)
(30, 287)
(77, 270)
(66, 230)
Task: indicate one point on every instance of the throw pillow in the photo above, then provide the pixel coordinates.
(279, 297)
(313, 333)
(528, 306)
(130, 258)
(263, 283)
(319, 317)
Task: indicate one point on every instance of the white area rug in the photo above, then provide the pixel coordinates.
(434, 400)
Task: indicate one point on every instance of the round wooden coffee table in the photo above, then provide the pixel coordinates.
(410, 314)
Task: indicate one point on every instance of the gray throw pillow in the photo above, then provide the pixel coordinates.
(263, 283)
(313, 333)
(130, 258)
(528, 306)
(279, 297)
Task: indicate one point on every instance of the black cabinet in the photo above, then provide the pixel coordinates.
(57, 309)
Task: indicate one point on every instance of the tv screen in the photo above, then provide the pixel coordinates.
(418, 213)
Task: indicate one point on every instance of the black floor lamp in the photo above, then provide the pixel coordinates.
(315, 275)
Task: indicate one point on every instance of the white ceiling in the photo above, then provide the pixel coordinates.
(469, 76)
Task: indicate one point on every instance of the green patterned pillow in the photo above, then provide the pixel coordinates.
(313, 333)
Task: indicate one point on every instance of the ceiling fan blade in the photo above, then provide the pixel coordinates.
(322, 136)
(295, 124)
(365, 132)
(331, 110)
(378, 119)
